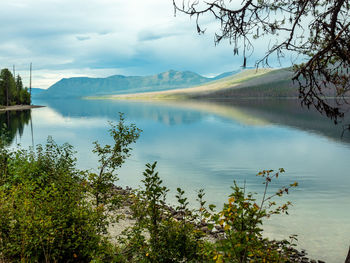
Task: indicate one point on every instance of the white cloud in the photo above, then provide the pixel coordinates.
(77, 37)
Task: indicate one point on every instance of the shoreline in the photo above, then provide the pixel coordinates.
(20, 107)
(297, 255)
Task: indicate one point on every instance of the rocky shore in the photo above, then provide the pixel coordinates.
(296, 256)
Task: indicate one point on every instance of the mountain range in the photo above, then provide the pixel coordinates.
(119, 84)
(248, 83)
(36, 91)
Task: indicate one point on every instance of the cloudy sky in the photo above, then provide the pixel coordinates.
(98, 38)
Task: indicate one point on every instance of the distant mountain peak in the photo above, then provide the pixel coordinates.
(120, 84)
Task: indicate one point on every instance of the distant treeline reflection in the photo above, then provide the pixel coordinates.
(13, 123)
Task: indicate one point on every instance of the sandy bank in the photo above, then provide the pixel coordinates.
(20, 107)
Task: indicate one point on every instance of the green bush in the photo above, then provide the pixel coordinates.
(52, 212)
(111, 157)
(241, 220)
(157, 236)
(44, 210)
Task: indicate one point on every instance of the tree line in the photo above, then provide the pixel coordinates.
(12, 91)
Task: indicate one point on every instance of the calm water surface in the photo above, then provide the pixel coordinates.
(208, 145)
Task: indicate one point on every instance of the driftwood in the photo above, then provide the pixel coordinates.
(347, 260)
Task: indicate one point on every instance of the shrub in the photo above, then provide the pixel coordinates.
(111, 157)
(241, 220)
(157, 236)
(44, 210)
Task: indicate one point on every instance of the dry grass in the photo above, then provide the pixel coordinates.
(236, 81)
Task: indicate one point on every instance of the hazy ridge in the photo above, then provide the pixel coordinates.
(246, 83)
(119, 84)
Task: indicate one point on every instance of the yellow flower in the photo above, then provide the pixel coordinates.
(218, 258)
(231, 200)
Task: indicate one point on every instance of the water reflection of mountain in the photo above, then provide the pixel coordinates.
(15, 122)
(288, 112)
(166, 114)
(284, 112)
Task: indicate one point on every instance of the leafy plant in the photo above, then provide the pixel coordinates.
(157, 236)
(45, 215)
(241, 220)
(111, 157)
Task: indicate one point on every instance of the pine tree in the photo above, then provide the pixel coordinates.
(19, 88)
(11, 90)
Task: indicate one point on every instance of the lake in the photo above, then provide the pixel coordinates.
(209, 145)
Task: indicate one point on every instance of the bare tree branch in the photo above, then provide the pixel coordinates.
(316, 30)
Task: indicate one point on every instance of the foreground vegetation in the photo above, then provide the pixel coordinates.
(12, 91)
(50, 211)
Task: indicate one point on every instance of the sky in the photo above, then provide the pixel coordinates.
(99, 38)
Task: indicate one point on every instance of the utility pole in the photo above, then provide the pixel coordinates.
(30, 83)
(14, 72)
(7, 93)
